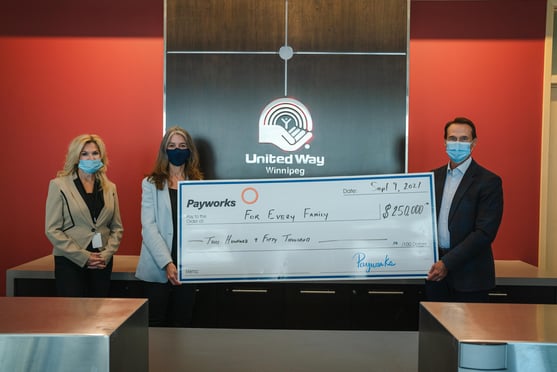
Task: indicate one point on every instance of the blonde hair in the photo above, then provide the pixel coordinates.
(74, 153)
(191, 168)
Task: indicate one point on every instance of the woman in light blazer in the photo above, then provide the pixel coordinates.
(170, 302)
(83, 220)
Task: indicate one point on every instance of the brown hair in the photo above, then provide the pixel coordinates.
(461, 120)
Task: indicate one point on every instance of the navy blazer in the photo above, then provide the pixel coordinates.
(474, 218)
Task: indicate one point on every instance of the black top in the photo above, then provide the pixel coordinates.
(174, 204)
(94, 200)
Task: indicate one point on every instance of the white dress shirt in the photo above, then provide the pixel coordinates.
(454, 176)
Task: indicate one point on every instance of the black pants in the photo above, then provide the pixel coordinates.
(442, 292)
(75, 281)
(170, 305)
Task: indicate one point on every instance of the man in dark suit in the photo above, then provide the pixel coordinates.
(469, 201)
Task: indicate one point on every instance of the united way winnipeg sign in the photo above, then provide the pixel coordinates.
(300, 88)
(330, 228)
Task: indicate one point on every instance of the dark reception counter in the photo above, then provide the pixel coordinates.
(509, 272)
(375, 304)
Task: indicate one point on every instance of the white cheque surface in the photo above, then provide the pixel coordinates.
(360, 227)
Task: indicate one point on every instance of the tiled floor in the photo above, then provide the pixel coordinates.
(198, 349)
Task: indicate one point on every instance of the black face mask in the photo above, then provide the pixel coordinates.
(178, 157)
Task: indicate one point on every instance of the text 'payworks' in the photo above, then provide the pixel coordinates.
(226, 203)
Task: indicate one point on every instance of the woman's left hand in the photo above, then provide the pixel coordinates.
(172, 274)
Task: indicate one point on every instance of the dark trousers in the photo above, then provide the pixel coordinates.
(170, 305)
(75, 281)
(442, 292)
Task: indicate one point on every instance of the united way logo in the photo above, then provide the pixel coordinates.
(286, 123)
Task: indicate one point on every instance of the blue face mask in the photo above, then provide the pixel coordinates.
(90, 166)
(178, 157)
(458, 151)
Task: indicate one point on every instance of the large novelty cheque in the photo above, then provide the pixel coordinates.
(332, 228)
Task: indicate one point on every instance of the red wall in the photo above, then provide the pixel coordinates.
(63, 73)
(97, 66)
(484, 60)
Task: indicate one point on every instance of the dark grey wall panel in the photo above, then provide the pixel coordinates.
(348, 68)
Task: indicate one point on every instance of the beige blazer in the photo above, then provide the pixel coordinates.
(69, 226)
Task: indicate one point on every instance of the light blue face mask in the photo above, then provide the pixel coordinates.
(90, 166)
(458, 151)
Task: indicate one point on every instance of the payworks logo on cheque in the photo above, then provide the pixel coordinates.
(200, 204)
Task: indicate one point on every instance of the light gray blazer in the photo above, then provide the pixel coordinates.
(157, 231)
(69, 226)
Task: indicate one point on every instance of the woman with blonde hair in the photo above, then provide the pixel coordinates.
(83, 220)
(170, 302)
